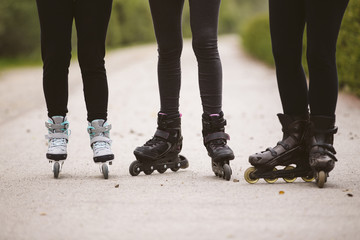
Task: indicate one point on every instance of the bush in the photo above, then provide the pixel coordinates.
(256, 38)
(348, 55)
(257, 42)
(19, 28)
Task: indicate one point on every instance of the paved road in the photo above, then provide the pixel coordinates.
(190, 204)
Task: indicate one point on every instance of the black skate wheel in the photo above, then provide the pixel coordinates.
(227, 172)
(134, 168)
(248, 177)
(148, 172)
(321, 179)
(183, 162)
(162, 170)
(175, 169)
(105, 170)
(271, 180)
(289, 180)
(56, 169)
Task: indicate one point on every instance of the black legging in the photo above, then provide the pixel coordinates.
(204, 24)
(91, 19)
(287, 22)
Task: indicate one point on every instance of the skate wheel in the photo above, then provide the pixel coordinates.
(289, 180)
(184, 162)
(134, 168)
(105, 170)
(271, 180)
(148, 172)
(175, 169)
(247, 175)
(308, 179)
(321, 179)
(227, 172)
(56, 169)
(162, 170)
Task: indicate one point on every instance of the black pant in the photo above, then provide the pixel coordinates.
(204, 16)
(287, 21)
(91, 19)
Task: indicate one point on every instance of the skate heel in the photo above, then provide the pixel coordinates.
(104, 168)
(222, 169)
(56, 166)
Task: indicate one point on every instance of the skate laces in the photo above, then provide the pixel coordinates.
(99, 146)
(57, 142)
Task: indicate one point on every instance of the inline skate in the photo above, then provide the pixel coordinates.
(162, 151)
(321, 151)
(290, 152)
(99, 131)
(58, 135)
(215, 141)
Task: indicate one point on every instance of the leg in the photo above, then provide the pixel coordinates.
(56, 19)
(287, 21)
(204, 16)
(92, 18)
(166, 17)
(323, 24)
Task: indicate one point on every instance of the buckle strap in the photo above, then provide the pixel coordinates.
(284, 145)
(56, 135)
(326, 152)
(331, 130)
(100, 139)
(216, 135)
(55, 126)
(272, 151)
(162, 134)
(98, 130)
(327, 146)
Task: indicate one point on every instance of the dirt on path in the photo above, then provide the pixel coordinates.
(189, 204)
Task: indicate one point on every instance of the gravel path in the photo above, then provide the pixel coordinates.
(189, 204)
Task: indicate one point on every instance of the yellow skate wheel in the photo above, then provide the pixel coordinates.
(321, 179)
(308, 179)
(289, 180)
(271, 180)
(247, 175)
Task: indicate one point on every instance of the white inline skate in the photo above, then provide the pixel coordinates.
(99, 131)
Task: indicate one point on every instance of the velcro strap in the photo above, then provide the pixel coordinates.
(53, 126)
(99, 130)
(331, 130)
(162, 134)
(100, 139)
(217, 135)
(57, 135)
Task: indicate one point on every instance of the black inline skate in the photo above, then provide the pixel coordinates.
(215, 141)
(321, 151)
(162, 151)
(290, 152)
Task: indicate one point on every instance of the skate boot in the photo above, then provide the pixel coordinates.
(321, 151)
(290, 152)
(162, 151)
(215, 141)
(99, 131)
(58, 135)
